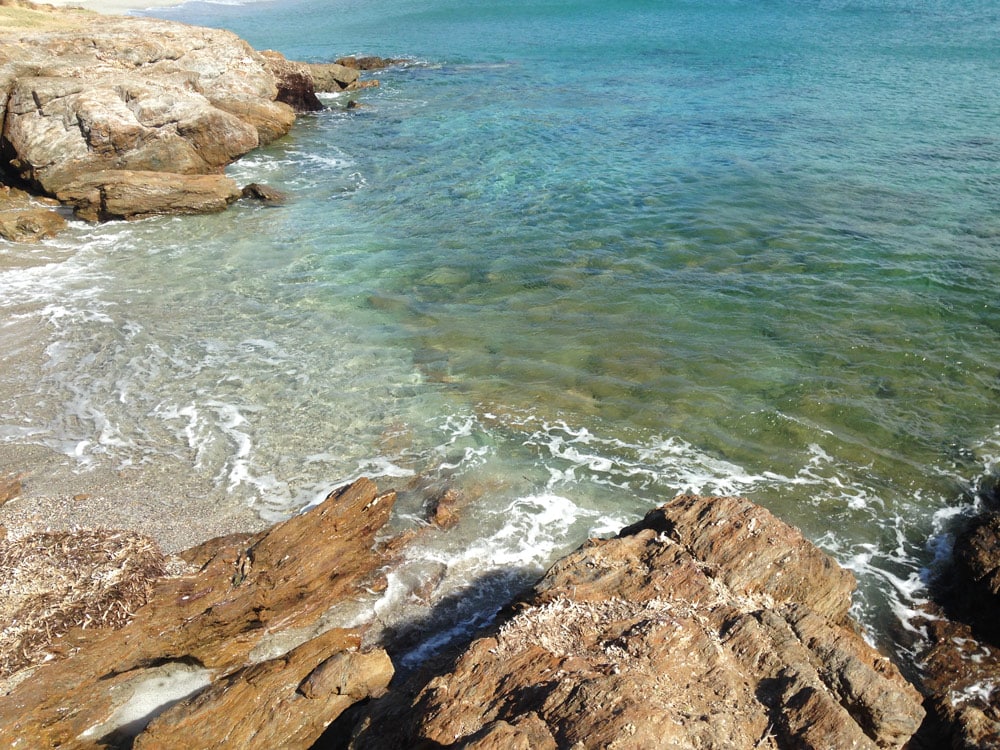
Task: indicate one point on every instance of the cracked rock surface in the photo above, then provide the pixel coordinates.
(91, 105)
(709, 624)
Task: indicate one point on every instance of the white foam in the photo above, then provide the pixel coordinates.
(150, 695)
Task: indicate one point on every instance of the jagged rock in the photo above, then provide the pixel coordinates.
(233, 641)
(30, 224)
(25, 219)
(123, 194)
(708, 624)
(367, 62)
(110, 95)
(295, 82)
(332, 77)
(264, 193)
(960, 666)
(10, 487)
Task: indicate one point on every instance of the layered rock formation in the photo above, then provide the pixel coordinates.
(130, 117)
(709, 624)
(125, 117)
(235, 652)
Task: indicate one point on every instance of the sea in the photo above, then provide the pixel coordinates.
(567, 261)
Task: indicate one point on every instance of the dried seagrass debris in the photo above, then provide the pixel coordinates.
(57, 580)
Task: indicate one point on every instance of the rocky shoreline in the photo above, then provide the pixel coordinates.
(710, 623)
(123, 118)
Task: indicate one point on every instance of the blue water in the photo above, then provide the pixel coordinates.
(573, 258)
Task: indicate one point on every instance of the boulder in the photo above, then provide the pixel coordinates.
(114, 96)
(25, 219)
(124, 194)
(233, 652)
(294, 81)
(709, 624)
(960, 664)
(367, 62)
(333, 77)
(264, 193)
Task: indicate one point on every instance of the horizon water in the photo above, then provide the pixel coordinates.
(569, 260)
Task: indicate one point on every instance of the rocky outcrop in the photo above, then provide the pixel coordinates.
(233, 652)
(708, 624)
(25, 219)
(961, 663)
(124, 117)
(296, 87)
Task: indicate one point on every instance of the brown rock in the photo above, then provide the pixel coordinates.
(264, 193)
(30, 225)
(332, 77)
(709, 624)
(442, 510)
(295, 82)
(245, 622)
(367, 62)
(10, 487)
(105, 95)
(121, 194)
(960, 666)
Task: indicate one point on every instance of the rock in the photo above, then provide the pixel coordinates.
(221, 651)
(30, 224)
(123, 194)
(120, 98)
(10, 487)
(708, 624)
(960, 665)
(332, 77)
(961, 677)
(264, 193)
(443, 509)
(368, 62)
(295, 82)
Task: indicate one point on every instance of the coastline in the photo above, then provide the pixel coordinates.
(148, 497)
(115, 7)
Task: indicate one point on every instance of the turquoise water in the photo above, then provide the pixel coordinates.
(570, 260)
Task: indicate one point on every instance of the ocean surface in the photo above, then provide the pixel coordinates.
(569, 260)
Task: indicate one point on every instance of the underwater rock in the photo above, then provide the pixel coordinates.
(264, 193)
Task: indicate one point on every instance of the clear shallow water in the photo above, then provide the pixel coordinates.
(574, 259)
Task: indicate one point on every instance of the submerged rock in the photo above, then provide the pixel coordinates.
(709, 624)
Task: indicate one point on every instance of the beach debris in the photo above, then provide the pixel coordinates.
(55, 581)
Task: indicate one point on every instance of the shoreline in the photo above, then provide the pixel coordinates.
(116, 7)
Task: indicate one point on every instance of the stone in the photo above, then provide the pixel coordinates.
(219, 652)
(332, 77)
(30, 225)
(264, 193)
(10, 487)
(367, 62)
(85, 97)
(708, 624)
(124, 194)
(295, 82)
(960, 662)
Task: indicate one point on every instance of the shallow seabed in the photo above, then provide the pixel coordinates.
(570, 260)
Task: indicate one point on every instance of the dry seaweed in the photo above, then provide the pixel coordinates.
(51, 582)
